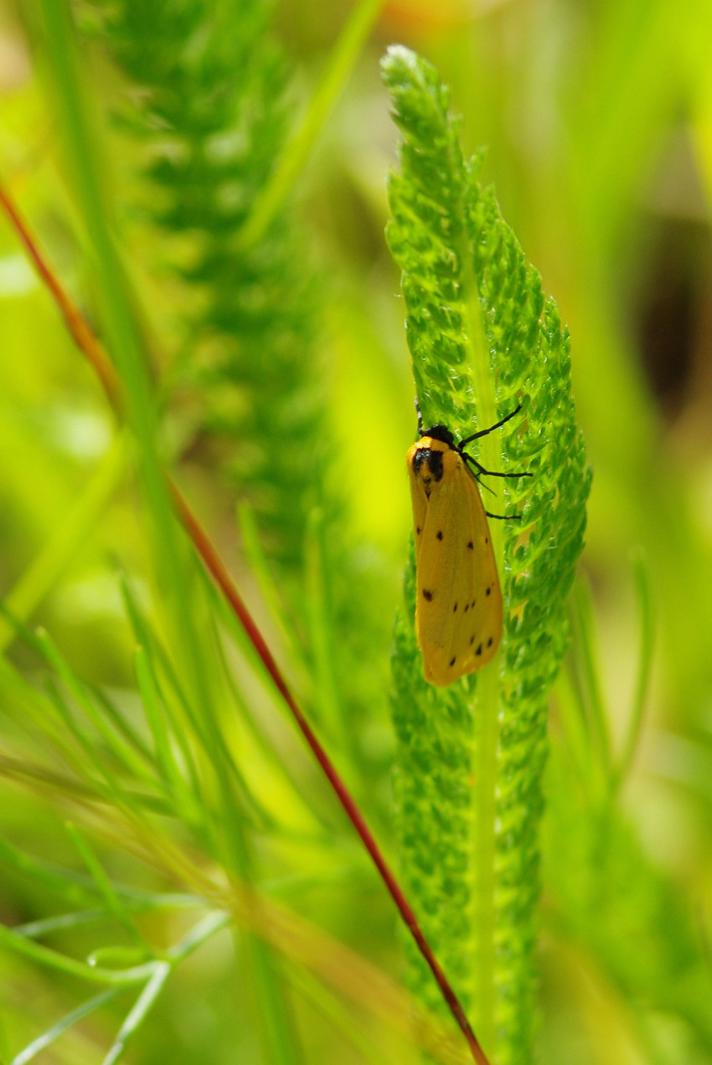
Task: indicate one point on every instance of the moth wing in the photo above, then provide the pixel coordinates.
(459, 603)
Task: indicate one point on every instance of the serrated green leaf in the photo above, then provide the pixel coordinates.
(484, 339)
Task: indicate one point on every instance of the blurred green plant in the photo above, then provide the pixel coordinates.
(194, 753)
(221, 152)
(153, 788)
(483, 339)
(184, 774)
(623, 913)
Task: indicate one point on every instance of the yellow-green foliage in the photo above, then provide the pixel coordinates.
(189, 168)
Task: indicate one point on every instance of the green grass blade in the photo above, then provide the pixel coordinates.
(268, 584)
(82, 139)
(59, 1027)
(298, 148)
(145, 1001)
(65, 541)
(53, 960)
(125, 753)
(112, 900)
(182, 716)
(321, 630)
(156, 719)
(644, 668)
(587, 654)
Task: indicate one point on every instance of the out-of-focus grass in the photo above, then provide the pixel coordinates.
(599, 125)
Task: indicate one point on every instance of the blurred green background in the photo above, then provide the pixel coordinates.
(597, 120)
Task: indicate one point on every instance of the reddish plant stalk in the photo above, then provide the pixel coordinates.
(91, 347)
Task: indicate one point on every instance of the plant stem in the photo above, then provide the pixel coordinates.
(487, 691)
(642, 679)
(485, 918)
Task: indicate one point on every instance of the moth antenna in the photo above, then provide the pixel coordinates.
(497, 425)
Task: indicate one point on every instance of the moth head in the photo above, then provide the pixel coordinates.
(441, 433)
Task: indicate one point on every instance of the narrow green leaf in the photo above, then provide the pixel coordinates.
(52, 959)
(643, 672)
(125, 753)
(156, 719)
(263, 574)
(341, 62)
(175, 565)
(321, 633)
(587, 653)
(61, 1026)
(112, 899)
(78, 888)
(65, 540)
(136, 1016)
(169, 686)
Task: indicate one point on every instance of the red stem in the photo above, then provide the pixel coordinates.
(78, 326)
(87, 343)
(221, 577)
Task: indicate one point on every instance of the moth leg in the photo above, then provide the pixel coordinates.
(491, 473)
(478, 477)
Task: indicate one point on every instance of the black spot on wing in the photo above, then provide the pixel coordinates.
(427, 595)
(439, 534)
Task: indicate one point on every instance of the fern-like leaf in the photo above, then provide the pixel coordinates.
(483, 339)
(212, 112)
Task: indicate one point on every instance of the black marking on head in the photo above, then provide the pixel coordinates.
(479, 649)
(489, 642)
(470, 545)
(427, 595)
(439, 534)
(454, 609)
(441, 433)
(489, 589)
(453, 661)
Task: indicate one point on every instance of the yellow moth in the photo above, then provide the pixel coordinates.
(458, 613)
